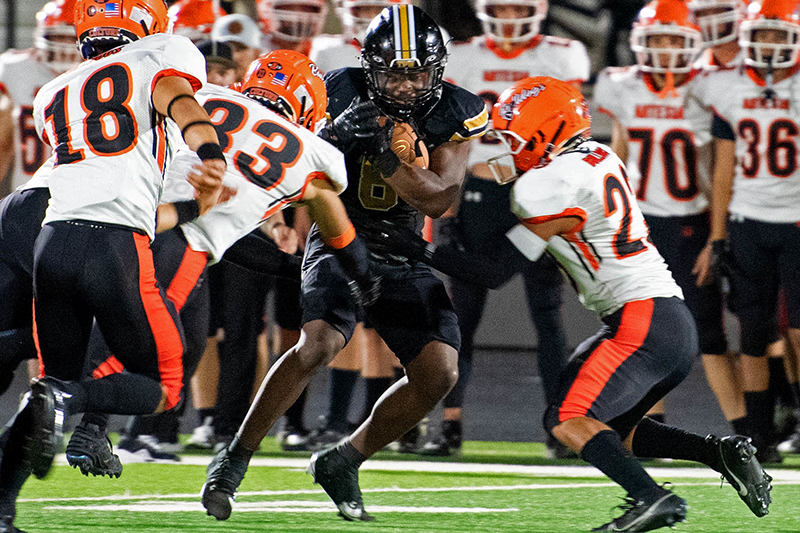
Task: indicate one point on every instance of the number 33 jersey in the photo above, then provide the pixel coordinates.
(663, 164)
(110, 144)
(767, 180)
(608, 256)
(270, 163)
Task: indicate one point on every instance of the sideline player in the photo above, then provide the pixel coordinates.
(574, 202)
(511, 48)
(755, 207)
(105, 122)
(665, 151)
(22, 73)
(413, 314)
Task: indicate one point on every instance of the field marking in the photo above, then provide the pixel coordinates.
(271, 507)
(485, 468)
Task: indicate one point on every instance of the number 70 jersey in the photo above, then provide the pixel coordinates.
(608, 256)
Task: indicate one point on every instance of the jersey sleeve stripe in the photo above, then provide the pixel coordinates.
(196, 83)
(109, 367)
(604, 361)
(605, 111)
(568, 212)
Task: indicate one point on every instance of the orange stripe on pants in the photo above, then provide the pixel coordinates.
(186, 277)
(606, 359)
(165, 333)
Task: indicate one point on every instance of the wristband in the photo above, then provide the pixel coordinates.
(187, 210)
(195, 123)
(179, 97)
(210, 151)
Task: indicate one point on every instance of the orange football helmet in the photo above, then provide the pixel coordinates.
(102, 25)
(536, 119)
(292, 20)
(54, 37)
(523, 29)
(194, 19)
(781, 16)
(718, 19)
(665, 17)
(290, 84)
(352, 15)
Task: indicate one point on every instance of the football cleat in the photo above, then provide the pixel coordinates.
(742, 470)
(339, 479)
(202, 437)
(7, 525)
(142, 450)
(666, 511)
(90, 449)
(442, 446)
(47, 414)
(223, 477)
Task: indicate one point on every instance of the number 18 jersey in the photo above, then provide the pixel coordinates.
(609, 256)
(110, 144)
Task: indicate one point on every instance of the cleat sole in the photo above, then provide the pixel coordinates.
(217, 503)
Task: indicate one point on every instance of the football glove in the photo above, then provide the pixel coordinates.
(359, 121)
(720, 260)
(379, 150)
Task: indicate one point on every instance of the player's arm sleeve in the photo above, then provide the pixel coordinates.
(545, 197)
(721, 129)
(475, 118)
(604, 98)
(258, 253)
(180, 57)
(578, 67)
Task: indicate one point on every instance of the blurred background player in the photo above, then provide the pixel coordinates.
(668, 168)
(221, 68)
(754, 206)
(510, 48)
(291, 24)
(194, 19)
(719, 22)
(242, 35)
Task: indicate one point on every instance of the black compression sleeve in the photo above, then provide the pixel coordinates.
(477, 269)
(262, 255)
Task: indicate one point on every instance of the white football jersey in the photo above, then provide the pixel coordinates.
(111, 146)
(609, 257)
(767, 180)
(664, 166)
(479, 67)
(270, 162)
(22, 74)
(331, 52)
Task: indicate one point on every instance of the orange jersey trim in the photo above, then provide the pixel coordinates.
(166, 73)
(604, 361)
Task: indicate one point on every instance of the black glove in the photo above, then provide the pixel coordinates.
(450, 233)
(388, 238)
(379, 150)
(366, 291)
(358, 121)
(720, 260)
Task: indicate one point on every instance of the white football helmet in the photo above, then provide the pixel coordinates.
(54, 37)
(780, 15)
(718, 19)
(523, 29)
(665, 17)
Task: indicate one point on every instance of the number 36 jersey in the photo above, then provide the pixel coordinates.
(270, 162)
(608, 256)
(663, 164)
(111, 145)
(767, 180)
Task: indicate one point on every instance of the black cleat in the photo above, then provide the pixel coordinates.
(7, 525)
(742, 470)
(223, 477)
(47, 414)
(442, 446)
(666, 511)
(340, 480)
(90, 450)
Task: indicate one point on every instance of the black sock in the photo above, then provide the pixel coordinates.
(760, 411)
(349, 452)
(795, 387)
(451, 429)
(342, 383)
(653, 439)
(294, 414)
(98, 419)
(14, 470)
(375, 387)
(123, 394)
(606, 452)
(740, 426)
(205, 414)
(237, 449)
(778, 382)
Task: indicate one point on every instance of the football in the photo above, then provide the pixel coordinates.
(408, 146)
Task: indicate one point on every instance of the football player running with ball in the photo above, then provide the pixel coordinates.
(574, 202)
(400, 82)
